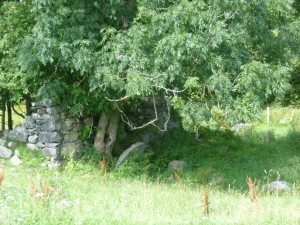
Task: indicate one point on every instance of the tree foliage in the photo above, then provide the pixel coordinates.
(230, 57)
(216, 62)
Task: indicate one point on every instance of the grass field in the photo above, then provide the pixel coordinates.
(212, 190)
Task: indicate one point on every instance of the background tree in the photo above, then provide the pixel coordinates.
(15, 86)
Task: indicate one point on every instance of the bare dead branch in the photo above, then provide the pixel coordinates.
(126, 120)
(167, 120)
(117, 100)
(173, 91)
(16, 112)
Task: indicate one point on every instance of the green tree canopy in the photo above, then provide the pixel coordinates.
(216, 62)
(229, 58)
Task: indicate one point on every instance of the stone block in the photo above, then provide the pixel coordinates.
(32, 146)
(48, 103)
(42, 111)
(19, 134)
(69, 124)
(49, 152)
(71, 137)
(50, 137)
(70, 148)
(33, 139)
(52, 145)
(51, 125)
(29, 122)
(54, 110)
(40, 145)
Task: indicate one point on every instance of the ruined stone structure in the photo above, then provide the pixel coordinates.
(49, 130)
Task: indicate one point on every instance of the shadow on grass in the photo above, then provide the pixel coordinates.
(225, 159)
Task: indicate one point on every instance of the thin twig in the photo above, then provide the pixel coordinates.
(117, 100)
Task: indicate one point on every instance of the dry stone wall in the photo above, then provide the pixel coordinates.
(49, 130)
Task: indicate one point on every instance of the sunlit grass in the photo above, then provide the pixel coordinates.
(84, 196)
(148, 193)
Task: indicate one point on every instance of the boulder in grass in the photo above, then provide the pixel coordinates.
(5, 153)
(49, 152)
(15, 160)
(277, 186)
(32, 146)
(177, 164)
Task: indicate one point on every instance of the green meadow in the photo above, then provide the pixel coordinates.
(212, 189)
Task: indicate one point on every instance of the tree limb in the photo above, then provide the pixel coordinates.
(16, 112)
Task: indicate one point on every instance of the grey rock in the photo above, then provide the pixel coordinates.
(11, 144)
(138, 147)
(216, 180)
(6, 134)
(51, 164)
(51, 125)
(49, 152)
(50, 137)
(69, 124)
(42, 111)
(77, 127)
(240, 127)
(52, 145)
(37, 116)
(29, 122)
(5, 153)
(54, 110)
(40, 145)
(33, 139)
(277, 186)
(63, 116)
(15, 160)
(36, 105)
(71, 137)
(69, 149)
(32, 132)
(48, 103)
(53, 117)
(177, 164)
(32, 146)
(19, 133)
(2, 142)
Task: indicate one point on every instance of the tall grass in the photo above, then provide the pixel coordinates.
(211, 190)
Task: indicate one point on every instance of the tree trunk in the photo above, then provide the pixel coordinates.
(9, 113)
(28, 105)
(3, 110)
(107, 133)
(112, 132)
(99, 142)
